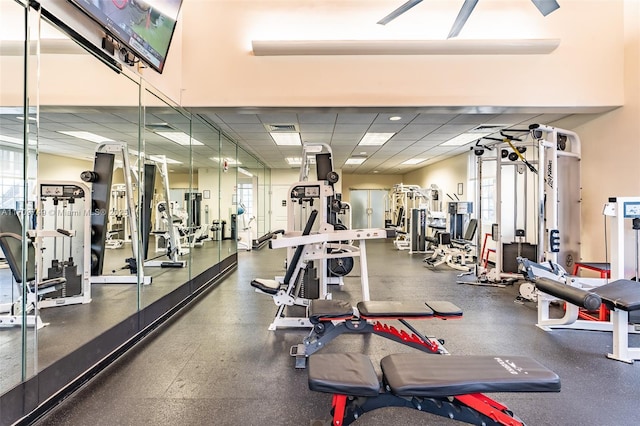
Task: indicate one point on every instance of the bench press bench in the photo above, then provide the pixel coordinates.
(448, 386)
(332, 318)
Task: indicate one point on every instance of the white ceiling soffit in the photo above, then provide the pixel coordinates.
(404, 47)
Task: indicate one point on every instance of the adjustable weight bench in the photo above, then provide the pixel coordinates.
(448, 386)
(332, 318)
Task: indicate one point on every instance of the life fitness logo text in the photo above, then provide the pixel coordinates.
(550, 174)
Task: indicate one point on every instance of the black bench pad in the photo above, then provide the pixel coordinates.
(343, 373)
(267, 286)
(425, 375)
(394, 309)
(621, 294)
(442, 308)
(320, 309)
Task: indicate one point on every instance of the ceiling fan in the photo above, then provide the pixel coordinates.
(544, 6)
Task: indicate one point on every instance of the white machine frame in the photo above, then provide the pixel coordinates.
(546, 140)
(316, 248)
(618, 323)
(41, 233)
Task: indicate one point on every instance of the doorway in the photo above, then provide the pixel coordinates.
(367, 207)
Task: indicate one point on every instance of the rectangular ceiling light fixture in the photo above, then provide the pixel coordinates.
(464, 139)
(413, 161)
(10, 139)
(375, 139)
(87, 136)
(286, 138)
(180, 138)
(355, 160)
(161, 158)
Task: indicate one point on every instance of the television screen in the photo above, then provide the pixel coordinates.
(144, 26)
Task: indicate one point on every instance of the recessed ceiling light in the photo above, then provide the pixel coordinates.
(180, 138)
(286, 138)
(395, 118)
(413, 161)
(355, 161)
(375, 139)
(87, 136)
(375, 171)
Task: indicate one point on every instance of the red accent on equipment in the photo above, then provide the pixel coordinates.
(490, 408)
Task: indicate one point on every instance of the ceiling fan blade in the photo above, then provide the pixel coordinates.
(399, 11)
(462, 17)
(546, 6)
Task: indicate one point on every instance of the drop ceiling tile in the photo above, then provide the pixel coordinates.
(279, 118)
(235, 118)
(317, 118)
(473, 119)
(383, 118)
(355, 118)
(428, 118)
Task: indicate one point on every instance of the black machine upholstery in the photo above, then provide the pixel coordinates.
(266, 285)
(443, 308)
(394, 309)
(326, 310)
(448, 386)
(12, 247)
(620, 294)
(272, 286)
(418, 374)
(355, 375)
(11, 244)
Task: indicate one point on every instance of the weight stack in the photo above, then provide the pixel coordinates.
(310, 288)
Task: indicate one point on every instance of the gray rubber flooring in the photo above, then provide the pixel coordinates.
(217, 364)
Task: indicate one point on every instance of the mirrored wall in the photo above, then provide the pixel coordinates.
(129, 209)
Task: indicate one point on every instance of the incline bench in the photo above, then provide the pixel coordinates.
(448, 386)
(332, 318)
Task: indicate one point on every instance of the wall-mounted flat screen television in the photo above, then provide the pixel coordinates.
(144, 26)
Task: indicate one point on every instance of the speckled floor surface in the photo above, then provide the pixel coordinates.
(217, 364)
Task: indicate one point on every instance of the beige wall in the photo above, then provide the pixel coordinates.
(49, 167)
(370, 181)
(445, 174)
(224, 71)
